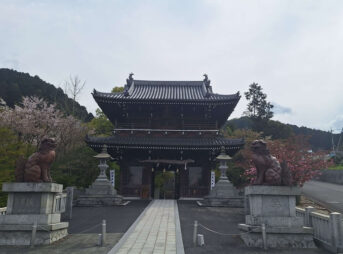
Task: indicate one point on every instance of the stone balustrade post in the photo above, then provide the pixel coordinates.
(307, 218)
(336, 229)
(69, 203)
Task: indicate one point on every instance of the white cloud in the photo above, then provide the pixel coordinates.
(291, 48)
(279, 110)
(337, 124)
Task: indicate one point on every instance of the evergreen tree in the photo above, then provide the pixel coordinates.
(258, 107)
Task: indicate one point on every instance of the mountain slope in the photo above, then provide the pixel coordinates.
(14, 85)
(318, 139)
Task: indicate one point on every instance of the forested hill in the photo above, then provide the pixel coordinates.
(14, 85)
(319, 140)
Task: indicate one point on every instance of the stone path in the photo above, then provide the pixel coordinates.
(329, 194)
(156, 231)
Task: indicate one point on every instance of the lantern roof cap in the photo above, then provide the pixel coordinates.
(103, 154)
(223, 156)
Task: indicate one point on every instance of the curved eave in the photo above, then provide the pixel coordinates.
(110, 98)
(229, 144)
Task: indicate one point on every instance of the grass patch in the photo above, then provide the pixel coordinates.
(336, 167)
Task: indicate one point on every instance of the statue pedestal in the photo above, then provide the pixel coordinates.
(30, 203)
(223, 194)
(274, 206)
(100, 193)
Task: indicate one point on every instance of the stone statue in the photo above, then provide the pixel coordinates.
(269, 170)
(37, 167)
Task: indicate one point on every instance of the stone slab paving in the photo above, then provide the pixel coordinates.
(157, 230)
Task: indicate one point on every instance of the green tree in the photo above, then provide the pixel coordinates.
(100, 124)
(117, 89)
(258, 107)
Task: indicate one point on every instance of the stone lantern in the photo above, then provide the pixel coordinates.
(223, 193)
(223, 159)
(101, 192)
(103, 157)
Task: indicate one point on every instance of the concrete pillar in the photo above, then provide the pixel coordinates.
(68, 214)
(336, 229)
(308, 218)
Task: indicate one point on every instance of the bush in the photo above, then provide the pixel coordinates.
(77, 168)
(10, 150)
(237, 177)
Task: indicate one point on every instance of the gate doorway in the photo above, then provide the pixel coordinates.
(165, 184)
(165, 177)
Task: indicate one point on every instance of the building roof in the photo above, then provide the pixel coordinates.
(187, 91)
(176, 143)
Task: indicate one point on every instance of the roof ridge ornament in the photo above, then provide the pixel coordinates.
(206, 80)
(129, 82)
(207, 83)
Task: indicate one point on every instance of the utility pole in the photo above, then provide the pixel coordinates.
(332, 142)
(338, 147)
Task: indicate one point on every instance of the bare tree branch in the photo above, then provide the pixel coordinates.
(73, 88)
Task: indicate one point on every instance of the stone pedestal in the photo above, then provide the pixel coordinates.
(224, 194)
(30, 203)
(100, 193)
(274, 206)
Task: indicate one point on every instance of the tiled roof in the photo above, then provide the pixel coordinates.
(167, 90)
(185, 143)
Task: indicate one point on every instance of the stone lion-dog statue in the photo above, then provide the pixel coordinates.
(269, 170)
(37, 167)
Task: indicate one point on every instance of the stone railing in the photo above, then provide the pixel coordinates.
(3, 210)
(60, 203)
(327, 229)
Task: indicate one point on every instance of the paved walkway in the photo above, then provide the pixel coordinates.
(329, 194)
(157, 230)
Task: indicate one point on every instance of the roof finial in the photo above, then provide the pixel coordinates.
(206, 80)
(129, 80)
(207, 85)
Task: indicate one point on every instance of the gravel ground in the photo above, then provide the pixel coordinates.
(118, 218)
(223, 220)
(85, 227)
(72, 244)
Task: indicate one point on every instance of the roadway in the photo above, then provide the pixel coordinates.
(328, 194)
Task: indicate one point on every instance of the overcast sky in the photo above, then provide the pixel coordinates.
(293, 49)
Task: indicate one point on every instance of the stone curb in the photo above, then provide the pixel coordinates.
(129, 231)
(179, 243)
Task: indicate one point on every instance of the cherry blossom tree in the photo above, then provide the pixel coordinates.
(36, 119)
